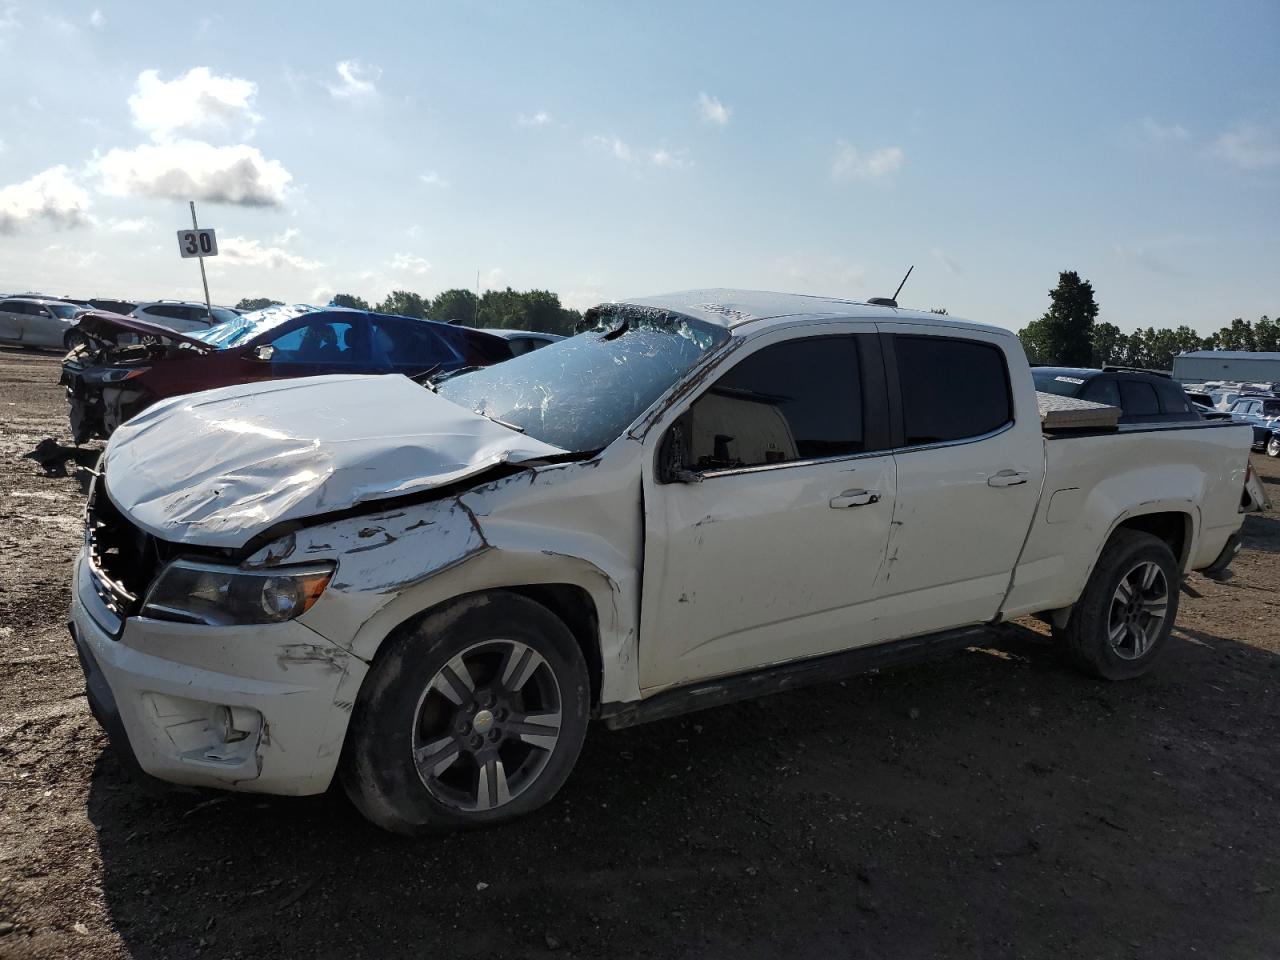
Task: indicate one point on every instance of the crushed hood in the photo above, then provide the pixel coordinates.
(100, 324)
(219, 467)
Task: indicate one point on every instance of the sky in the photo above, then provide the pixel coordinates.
(605, 150)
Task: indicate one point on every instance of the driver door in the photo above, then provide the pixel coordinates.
(767, 518)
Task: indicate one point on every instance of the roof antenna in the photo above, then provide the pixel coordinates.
(892, 301)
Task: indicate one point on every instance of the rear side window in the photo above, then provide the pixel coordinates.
(410, 343)
(800, 400)
(1138, 399)
(1102, 390)
(1172, 397)
(951, 389)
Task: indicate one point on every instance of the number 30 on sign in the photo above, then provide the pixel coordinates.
(197, 243)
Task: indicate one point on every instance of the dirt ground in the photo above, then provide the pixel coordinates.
(994, 804)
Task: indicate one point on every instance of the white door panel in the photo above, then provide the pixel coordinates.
(759, 567)
(10, 326)
(963, 508)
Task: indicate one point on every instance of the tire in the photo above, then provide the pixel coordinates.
(73, 339)
(1273, 446)
(1114, 634)
(472, 716)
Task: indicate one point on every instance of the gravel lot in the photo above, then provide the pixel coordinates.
(993, 804)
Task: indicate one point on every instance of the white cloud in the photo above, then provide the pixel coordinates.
(712, 110)
(357, 80)
(51, 196)
(96, 19)
(409, 263)
(76, 259)
(669, 158)
(433, 179)
(538, 119)
(851, 164)
(241, 251)
(137, 225)
(1162, 132)
(197, 101)
(1248, 146)
(613, 145)
(191, 170)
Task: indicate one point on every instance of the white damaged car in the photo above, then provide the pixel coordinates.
(430, 591)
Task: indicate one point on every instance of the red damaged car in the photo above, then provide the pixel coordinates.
(126, 364)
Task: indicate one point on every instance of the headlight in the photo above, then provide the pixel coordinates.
(211, 593)
(117, 374)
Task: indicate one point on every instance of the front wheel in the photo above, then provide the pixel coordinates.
(73, 339)
(473, 716)
(1273, 446)
(1122, 621)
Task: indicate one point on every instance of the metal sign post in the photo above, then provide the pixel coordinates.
(203, 277)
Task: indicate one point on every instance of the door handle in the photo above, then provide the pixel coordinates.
(1007, 478)
(854, 498)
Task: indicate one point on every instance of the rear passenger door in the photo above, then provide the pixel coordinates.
(10, 322)
(411, 347)
(970, 464)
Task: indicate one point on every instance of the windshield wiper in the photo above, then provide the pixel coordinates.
(505, 423)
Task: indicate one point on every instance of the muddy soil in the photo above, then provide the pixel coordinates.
(993, 804)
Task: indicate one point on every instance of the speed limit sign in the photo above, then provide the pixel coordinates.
(197, 243)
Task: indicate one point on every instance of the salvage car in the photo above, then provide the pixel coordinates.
(127, 364)
(38, 323)
(429, 590)
(181, 315)
(1144, 397)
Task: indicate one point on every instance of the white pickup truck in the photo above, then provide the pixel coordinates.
(430, 590)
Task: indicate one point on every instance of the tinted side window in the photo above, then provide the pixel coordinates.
(319, 341)
(1139, 399)
(951, 389)
(1270, 409)
(1102, 390)
(800, 400)
(1173, 399)
(409, 343)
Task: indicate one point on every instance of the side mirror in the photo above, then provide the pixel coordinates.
(264, 352)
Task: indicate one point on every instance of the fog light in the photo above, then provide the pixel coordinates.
(233, 724)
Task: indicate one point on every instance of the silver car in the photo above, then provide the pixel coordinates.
(182, 316)
(38, 323)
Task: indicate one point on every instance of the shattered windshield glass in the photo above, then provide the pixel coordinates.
(241, 327)
(581, 393)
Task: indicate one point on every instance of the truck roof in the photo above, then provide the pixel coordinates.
(729, 308)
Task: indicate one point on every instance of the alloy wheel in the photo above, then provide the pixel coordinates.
(1138, 610)
(486, 725)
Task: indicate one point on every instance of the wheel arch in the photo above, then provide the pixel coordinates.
(1176, 528)
(570, 603)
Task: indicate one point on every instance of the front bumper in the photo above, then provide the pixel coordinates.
(254, 708)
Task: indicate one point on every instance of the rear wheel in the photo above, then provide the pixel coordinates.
(472, 717)
(1122, 621)
(1273, 446)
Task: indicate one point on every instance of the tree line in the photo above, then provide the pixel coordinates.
(1069, 335)
(504, 309)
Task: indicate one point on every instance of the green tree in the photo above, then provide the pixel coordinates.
(1266, 334)
(405, 304)
(1108, 344)
(257, 303)
(454, 305)
(1064, 334)
(1036, 342)
(350, 300)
